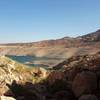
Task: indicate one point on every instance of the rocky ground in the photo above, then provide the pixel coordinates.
(77, 78)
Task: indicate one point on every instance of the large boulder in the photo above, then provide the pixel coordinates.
(88, 97)
(70, 74)
(55, 75)
(84, 82)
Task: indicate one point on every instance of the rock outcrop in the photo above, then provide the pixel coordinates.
(78, 78)
(84, 83)
(13, 71)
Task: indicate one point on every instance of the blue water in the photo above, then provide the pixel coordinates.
(22, 59)
(29, 60)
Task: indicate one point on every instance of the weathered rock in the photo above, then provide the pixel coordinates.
(84, 82)
(55, 75)
(64, 95)
(70, 74)
(99, 84)
(6, 98)
(40, 72)
(88, 97)
(98, 74)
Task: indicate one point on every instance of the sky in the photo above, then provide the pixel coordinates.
(35, 20)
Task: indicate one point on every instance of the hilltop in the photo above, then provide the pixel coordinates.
(65, 41)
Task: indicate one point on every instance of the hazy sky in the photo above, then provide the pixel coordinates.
(33, 20)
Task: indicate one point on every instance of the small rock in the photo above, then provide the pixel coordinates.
(88, 97)
(7, 98)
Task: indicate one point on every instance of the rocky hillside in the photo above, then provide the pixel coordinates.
(91, 37)
(71, 42)
(74, 72)
(85, 61)
(14, 71)
(77, 78)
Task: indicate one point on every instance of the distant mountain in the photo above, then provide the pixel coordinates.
(66, 41)
(71, 42)
(91, 37)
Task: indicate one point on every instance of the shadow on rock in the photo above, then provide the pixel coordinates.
(41, 91)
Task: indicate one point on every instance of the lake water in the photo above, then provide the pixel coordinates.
(36, 61)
